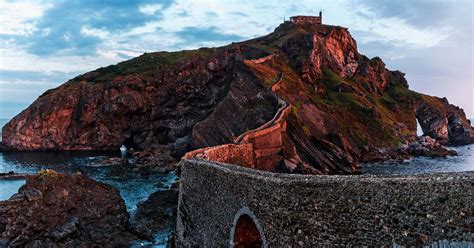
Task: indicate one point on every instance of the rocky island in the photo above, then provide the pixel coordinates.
(299, 100)
(342, 105)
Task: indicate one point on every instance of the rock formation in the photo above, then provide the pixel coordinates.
(443, 121)
(57, 210)
(423, 146)
(157, 213)
(342, 104)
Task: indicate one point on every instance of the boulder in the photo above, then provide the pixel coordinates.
(157, 213)
(58, 210)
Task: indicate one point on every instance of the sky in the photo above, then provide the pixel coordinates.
(45, 43)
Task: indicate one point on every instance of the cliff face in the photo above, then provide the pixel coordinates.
(341, 103)
(443, 121)
(153, 99)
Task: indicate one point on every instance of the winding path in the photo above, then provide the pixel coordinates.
(276, 118)
(259, 148)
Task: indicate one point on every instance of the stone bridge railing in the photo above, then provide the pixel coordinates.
(259, 148)
(222, 205)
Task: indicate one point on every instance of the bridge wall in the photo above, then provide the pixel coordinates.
(260, 148)
(308, 210)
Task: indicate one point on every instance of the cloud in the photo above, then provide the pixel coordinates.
(149, 9)
(205, 34)
(238, 13)
(12, 76)
(429, 40)
(124, 56)
(420, 13)
(16, 16)
(63, 27)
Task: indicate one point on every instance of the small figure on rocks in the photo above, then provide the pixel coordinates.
(123, 151)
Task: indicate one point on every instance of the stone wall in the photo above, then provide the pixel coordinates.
(306, 19)
(259, 148)
(309, 211)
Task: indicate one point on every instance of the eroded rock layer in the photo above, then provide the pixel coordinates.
(443, 121)
(342, 104)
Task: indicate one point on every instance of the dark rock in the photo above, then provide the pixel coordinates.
(443, 121)
(12, 176)
(108, 162)
(423, 146)
(158, 159)
(156, 214)
(57, 210)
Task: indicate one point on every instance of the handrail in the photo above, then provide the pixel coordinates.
(277, 116)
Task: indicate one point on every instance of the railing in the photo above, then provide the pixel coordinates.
(278, 115)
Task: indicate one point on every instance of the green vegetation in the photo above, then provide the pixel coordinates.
(397, 91)
(146, 64)
(47, 174)
(331, 79)
(363, 115)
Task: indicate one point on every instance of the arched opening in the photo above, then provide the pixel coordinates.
(246, 233)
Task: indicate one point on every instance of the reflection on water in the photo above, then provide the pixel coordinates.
(419, 165)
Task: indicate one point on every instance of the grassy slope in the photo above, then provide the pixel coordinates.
(367, 118)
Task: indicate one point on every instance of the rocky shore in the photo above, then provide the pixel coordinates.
(423, 146)
(157, 213)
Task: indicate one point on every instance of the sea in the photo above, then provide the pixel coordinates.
(133, 186)
(420, 165)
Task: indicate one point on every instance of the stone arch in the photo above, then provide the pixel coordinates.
(246, 230)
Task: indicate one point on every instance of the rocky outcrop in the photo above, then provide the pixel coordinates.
(12, 176)
(57, 210)
(157, 213)
(259, 106)
(343, 104)
(423, 146)
(443, 121)
(154, 99)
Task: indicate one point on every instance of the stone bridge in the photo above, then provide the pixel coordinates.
(223, 205)
(259, 148)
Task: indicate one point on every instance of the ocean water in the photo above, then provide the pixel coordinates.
(133, 186)
(420, 165)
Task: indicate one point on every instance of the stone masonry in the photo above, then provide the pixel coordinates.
(291, 210)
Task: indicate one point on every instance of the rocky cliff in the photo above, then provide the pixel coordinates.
(341, 103)
(443, 121)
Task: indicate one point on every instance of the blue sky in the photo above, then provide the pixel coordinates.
(44, 43)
